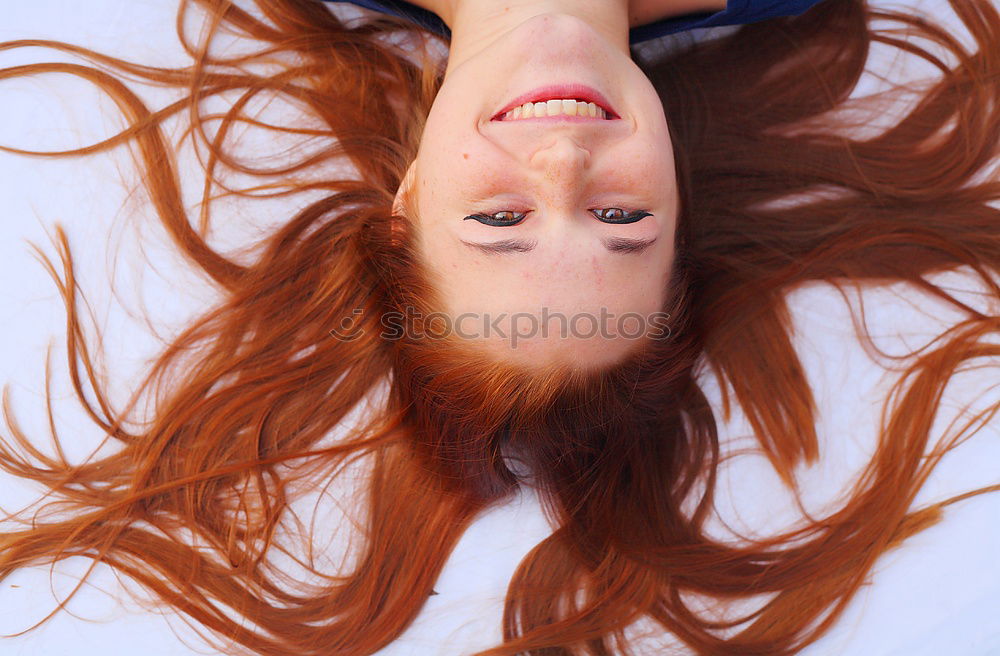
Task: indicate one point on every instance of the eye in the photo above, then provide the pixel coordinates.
(614, 215)
(504, 218)
(618, 216)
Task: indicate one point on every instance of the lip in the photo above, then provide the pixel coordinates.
(577, 91)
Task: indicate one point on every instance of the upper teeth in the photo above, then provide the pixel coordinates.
(554, 108)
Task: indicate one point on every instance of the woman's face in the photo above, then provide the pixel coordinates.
(565, 194)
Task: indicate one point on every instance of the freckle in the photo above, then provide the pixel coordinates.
(465, 155)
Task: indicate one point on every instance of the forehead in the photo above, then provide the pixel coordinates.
(551, 286)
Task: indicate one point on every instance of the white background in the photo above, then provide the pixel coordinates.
(938, 594)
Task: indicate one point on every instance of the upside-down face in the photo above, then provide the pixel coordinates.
(545, 197)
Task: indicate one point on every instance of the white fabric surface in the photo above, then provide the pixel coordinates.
(938, 594)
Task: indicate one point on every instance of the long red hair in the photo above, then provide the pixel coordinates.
(194, 506)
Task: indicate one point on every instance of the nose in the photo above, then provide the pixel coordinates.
(562, 158)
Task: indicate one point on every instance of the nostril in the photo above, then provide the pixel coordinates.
(562, 154)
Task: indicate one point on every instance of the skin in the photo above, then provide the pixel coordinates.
(556, 173)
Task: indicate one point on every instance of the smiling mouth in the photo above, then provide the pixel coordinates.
(563, 108)
(564, 102)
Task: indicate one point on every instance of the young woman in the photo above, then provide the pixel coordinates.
(550, 252)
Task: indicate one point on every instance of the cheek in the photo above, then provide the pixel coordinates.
(654, 165)
(597, 273)
(452, 175)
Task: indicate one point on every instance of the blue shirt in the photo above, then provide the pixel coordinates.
(737, 12)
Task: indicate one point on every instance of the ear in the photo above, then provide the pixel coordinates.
(398, 226)
(404, 187)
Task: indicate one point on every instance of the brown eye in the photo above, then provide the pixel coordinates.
(618, 215)
(503, 218)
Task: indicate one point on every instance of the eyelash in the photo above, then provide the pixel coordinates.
(627, 217)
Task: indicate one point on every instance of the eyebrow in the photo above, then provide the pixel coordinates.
(505, 246)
